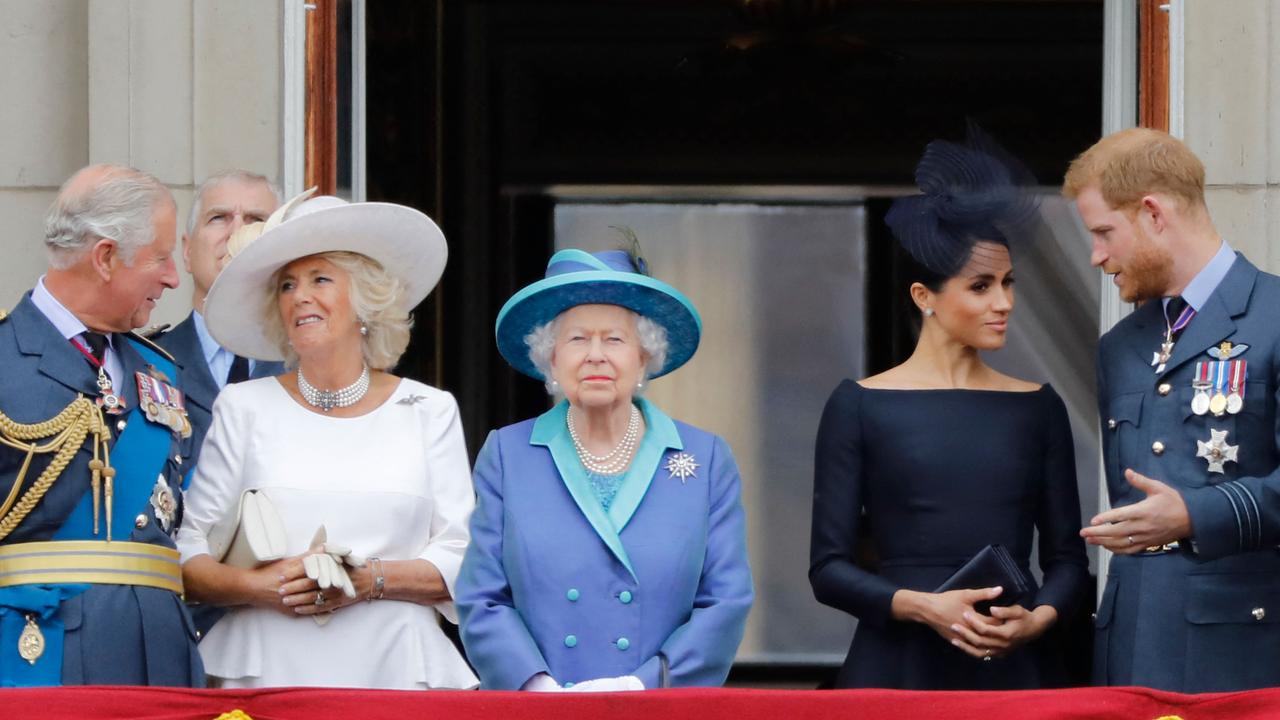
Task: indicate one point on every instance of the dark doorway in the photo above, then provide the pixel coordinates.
(477, 109)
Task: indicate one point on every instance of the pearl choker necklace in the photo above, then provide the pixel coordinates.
(615, 460)
(327, 400)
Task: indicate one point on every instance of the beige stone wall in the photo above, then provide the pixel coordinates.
(179, 88)
(1232, 118)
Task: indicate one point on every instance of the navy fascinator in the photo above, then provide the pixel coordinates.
(970, 192)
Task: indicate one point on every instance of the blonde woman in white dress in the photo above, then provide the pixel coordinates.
(337, 441)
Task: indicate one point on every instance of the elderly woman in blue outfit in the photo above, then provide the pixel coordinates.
(608, 543)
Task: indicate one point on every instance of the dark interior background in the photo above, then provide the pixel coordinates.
(475, 107)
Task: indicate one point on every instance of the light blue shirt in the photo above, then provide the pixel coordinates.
(71, 327)
(218, 358)
(1207, 280)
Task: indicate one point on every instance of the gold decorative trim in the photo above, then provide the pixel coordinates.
(89, 561)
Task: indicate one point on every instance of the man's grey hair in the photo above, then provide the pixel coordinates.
(244, 176)
(542, 345)
(120, 205)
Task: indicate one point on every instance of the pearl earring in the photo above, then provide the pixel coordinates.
(639, 385)
(928, 312)
(364, 329)
(555, 386)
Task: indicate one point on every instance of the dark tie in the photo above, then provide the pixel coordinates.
(1173, 312)
(239, 370)
(97, 343)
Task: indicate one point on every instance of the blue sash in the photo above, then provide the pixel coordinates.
(139, 456)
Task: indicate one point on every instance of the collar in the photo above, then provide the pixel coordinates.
(660, 435)
(1207, 280)
(662, 429)
(208, 346)
(63, 319)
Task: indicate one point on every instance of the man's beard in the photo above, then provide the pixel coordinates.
(1150, 271)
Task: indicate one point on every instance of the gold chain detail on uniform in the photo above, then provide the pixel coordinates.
(66, 433)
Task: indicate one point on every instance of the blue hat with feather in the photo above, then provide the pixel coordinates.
(613, 277)
(970, 192)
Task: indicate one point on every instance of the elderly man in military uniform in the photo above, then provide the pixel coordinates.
(91, 429)
(223, 204)
(1187, 395)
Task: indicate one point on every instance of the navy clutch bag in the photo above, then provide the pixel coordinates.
(992, 566)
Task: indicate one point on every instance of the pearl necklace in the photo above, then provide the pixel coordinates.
(615, 461)
(327, 400)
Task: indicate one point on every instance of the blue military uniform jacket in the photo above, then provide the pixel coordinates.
(657, 587)
(183, 343)
(1206, 616)
(107, 633)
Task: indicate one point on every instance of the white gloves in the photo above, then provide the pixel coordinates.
(625, 683)
(543, 682)
(327, 565)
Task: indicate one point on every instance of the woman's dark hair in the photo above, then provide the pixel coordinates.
(915, 272)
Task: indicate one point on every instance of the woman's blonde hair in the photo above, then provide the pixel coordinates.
(377, 299)
(1129, 164)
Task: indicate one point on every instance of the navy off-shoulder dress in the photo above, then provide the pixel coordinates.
(937, 475)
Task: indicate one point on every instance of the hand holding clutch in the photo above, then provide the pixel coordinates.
(992, 566)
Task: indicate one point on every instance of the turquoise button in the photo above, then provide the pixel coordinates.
(570, 640)
(625, 597)
(573, 594)
(567, 685)
(623, 643)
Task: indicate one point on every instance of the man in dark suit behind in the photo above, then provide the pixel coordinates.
(1187, 389)
(223, 203)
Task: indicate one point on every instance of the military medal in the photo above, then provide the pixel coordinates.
(31, 641)
(1235, 398)
(1218, 403)
(163, 503)
(1217, 452)
(1201, 384)
(1159, 359)
(107, 398)
(163, 404)
(1166, 345)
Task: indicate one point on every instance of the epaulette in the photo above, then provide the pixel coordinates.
(148, 342)
(152, 331)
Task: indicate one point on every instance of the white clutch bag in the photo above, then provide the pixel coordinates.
(253, 536)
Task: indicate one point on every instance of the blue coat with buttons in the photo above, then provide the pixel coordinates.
(658, 586)
(109, 634)
(1206, 616)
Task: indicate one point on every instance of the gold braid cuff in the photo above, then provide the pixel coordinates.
(64, 435)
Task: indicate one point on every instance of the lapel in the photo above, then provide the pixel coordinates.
(58, 360)
(1148, 329)
(266, 368)
(133, 363)
(197, 383)
(659, 436)
(1214, 323)
(550, 431)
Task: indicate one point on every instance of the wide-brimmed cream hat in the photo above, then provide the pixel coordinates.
(404, 241)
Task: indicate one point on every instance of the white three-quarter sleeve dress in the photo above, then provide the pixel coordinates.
(393, 484)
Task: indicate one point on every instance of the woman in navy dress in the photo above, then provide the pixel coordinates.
(942, 455)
